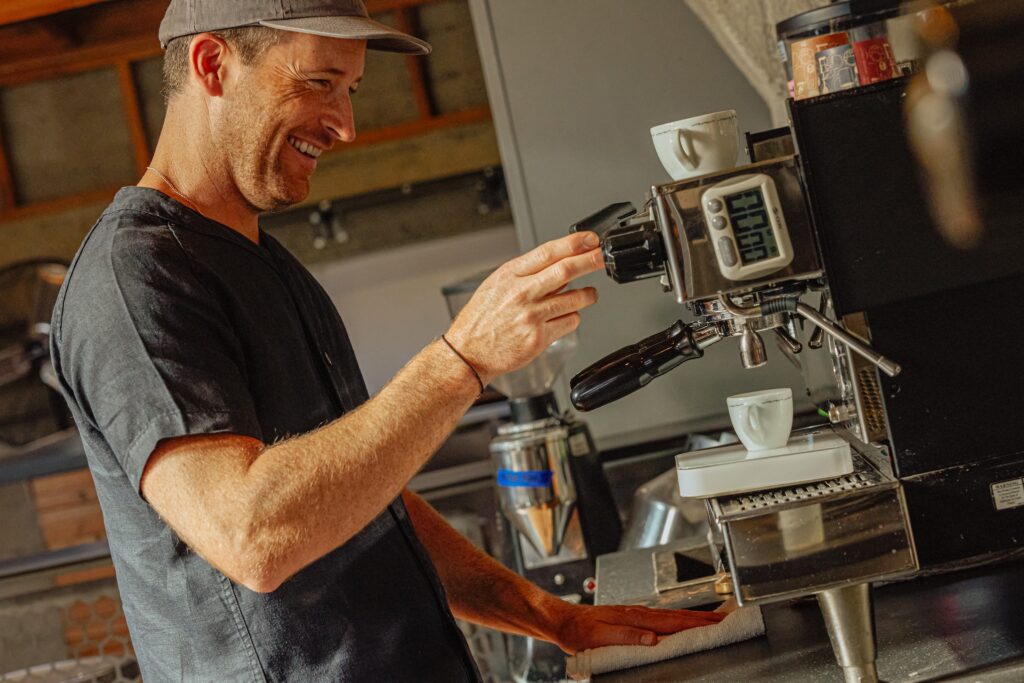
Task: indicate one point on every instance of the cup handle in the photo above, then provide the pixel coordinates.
(753, 420)
(687, 157)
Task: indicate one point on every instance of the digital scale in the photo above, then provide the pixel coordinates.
(732, 469)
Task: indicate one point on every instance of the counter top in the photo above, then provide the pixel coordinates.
(936, 628)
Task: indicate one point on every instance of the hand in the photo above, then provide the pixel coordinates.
(583, 627)
(523, 306)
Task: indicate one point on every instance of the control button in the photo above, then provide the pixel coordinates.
(715, 205)
(728, 251)
(718, 223)
(559, 579)
(589, 585)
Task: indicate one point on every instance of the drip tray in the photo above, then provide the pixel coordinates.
(731, 469)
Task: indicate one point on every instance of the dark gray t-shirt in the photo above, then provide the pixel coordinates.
(170, 324)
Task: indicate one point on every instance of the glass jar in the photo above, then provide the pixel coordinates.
(840, 46)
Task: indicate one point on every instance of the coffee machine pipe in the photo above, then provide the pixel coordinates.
(884, 364)
(791, 304)
(634, 366)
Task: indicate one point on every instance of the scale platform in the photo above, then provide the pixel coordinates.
(732, 469)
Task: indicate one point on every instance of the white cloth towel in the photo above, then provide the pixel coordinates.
(742, 624)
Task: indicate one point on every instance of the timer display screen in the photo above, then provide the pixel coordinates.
(751, 226)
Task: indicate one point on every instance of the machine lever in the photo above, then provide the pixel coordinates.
(633, 367)
(608, 217)
(853, 343)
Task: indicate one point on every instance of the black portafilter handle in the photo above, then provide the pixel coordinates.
(633, 367)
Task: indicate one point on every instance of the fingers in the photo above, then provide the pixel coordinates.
(615, 634)
(667, 621)
(559, 327)
(594, 627)
(568, 302)
(557, 275)
(549, 253)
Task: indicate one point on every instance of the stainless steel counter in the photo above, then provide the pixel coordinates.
(965, 626)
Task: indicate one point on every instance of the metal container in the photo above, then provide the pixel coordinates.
(535, 486)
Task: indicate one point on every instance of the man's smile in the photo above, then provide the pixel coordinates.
(310, 150)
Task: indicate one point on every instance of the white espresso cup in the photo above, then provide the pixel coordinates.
(762, 419)
(698, 145)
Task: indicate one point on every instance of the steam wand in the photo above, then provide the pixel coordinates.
(792, 305)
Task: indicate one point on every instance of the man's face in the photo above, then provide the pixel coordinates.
(281, 113)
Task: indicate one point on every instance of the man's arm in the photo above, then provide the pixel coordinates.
(483, 591)
(260, 513)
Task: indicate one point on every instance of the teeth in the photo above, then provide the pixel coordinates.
(305, 147)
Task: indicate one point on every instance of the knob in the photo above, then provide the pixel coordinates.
(634, 251)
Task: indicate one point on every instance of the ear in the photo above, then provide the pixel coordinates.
(209, 58)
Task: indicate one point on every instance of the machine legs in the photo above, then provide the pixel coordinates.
(850, 618)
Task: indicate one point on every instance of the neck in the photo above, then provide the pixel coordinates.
(187, 171)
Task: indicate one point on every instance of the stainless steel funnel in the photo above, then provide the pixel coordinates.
(535, 487)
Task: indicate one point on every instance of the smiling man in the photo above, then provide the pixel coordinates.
(253, 494)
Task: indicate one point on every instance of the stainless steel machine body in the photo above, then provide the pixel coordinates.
(827, 534)
(837, 536)
(692, 265)
(683, 239)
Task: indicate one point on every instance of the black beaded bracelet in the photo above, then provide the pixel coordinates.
(468, 364)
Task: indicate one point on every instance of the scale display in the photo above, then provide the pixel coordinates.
(746, 226)
(755, 239)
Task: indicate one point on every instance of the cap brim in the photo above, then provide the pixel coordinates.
(378, 36)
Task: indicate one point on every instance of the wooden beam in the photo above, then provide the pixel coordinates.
(21, 10)
(133, 114)
(370, 137)
(419, 127)
(59, 204)
(416, 67)
(8, 200)
(78, 60)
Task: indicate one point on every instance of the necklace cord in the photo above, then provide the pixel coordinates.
(174, 188)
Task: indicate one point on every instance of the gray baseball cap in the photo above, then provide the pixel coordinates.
(332, 18)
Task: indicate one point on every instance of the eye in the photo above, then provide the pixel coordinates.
(321, 83)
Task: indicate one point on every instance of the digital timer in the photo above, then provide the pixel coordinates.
(747, 227)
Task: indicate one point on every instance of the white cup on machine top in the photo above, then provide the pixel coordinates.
(698, 145)
(762, 419)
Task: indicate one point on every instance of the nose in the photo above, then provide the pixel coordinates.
(340, 121)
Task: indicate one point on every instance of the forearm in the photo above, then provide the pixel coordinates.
(480, 589)
(484, 592)
(260, 513)
(352, 468)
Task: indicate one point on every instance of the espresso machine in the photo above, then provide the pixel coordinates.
(849, 238)
(828, 538)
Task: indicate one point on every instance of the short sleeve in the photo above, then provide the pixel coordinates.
(145, 348)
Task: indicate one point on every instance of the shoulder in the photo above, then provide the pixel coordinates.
(128, 255)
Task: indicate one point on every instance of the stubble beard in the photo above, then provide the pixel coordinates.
(253, 156)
